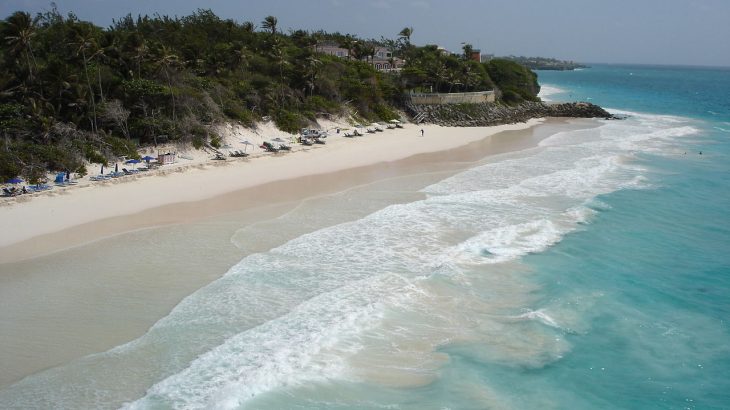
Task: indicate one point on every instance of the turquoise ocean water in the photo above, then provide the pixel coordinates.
(592, 271)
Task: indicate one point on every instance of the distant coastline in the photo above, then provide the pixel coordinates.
(545, 63)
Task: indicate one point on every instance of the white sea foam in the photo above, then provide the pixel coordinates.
(548, 90)
(540, 316)
(348, 301)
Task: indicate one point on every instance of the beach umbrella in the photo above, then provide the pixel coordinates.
(147, 158)
(246, 143)
(277, 139)
(133, 161)
(394, 121)
(15, 181)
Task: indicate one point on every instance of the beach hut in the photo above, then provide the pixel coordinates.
(168, 158)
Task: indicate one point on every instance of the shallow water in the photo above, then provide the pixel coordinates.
(591, 271)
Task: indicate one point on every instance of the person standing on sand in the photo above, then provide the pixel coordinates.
(422, 132)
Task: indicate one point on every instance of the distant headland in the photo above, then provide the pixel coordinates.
(545, 63)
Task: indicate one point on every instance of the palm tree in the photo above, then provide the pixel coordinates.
(19, 31)
(85, 41)
(468, 51)
(140, 54)
(405, 35)
(165, 61)
(269, 23)
(277, 52)
(312, 68)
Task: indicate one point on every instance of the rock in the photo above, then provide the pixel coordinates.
(469, 115)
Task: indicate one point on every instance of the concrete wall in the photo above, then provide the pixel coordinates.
(452, 98)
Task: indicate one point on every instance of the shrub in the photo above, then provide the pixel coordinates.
(289, 121)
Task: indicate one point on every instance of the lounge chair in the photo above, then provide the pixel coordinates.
(319, 141)
(39, 188)
(306, 141)
(268, 147)
(283, 147)
(12, 191)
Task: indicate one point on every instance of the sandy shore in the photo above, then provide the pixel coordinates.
(94, 267)
(40, 224)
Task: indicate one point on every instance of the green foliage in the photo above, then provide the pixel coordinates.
(215, 141)
(236, 112)
(121, 147)
(92, 94)
(517, 82)
(289, 121)
(431, 69)
(94, 156)
(384, 112)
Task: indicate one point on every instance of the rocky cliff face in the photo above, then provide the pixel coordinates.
(477, 115)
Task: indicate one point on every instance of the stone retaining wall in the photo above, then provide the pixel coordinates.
(452, 98)
(485, 114)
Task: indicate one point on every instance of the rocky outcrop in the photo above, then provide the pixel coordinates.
(477, 115)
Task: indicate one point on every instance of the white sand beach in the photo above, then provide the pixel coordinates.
(27, 218)
(90, 267)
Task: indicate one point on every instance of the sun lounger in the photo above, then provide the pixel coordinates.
(268, 147)
(12, 191)
(39, 188)
(283, 147)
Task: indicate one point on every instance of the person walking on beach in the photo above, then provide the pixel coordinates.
(422, 132)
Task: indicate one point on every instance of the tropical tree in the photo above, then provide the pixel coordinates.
(86, 48)
(18, 32)
(468, 51)
(166, 60)
(270, 23)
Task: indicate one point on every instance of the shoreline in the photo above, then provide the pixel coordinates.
(50, 222)
(109, 290)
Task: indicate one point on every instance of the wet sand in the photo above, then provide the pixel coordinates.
(87, 288)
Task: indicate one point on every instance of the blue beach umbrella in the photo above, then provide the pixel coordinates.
(15, 181)
(148, 158)
(133, 161)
